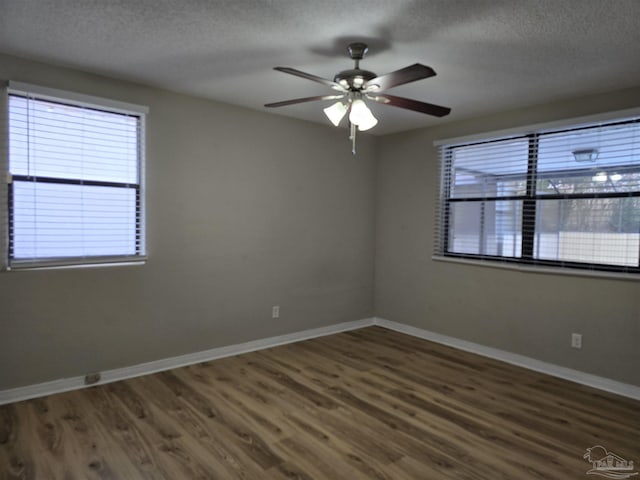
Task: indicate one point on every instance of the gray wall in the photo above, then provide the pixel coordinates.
(526, 313)
(245, 210)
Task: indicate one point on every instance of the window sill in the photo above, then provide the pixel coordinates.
(63, 266)
(574, 272)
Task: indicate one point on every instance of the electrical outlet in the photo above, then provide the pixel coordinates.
(91, 378)
(576, 340)
(275, 311)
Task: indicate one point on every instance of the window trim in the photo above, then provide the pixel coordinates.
(524, 264)
(74, 98)
(539, 269)
(6, 183)
(567, 123)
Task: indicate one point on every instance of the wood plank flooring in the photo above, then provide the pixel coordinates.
(366, 404)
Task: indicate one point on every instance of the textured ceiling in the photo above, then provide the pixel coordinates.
(490, 55)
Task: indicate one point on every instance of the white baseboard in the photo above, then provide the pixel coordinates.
(601, 383)
(108, 376)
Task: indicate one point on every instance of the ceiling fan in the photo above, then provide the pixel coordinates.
(355, 85)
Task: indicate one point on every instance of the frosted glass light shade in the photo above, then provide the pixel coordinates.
(361, 116)
(336, 112)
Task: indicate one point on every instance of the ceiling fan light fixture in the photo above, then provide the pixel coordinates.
(336, 112)
(368, 124)
(585, 155)
(355, 84)
(361, 116)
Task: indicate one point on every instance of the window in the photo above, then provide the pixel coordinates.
(561, 198)
(75, 190)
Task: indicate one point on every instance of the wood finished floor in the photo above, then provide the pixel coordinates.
(366, 404)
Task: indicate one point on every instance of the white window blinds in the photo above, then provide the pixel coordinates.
(564, 198)
(75, 192)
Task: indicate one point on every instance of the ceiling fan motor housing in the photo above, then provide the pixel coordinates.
(353, 79)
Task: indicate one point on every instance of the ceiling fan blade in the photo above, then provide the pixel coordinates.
(303, 100)
(309, 76)
(415, 105)
(409, 74)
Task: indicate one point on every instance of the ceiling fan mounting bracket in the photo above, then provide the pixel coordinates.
(357, 50)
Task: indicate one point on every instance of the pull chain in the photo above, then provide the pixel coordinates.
(352, 137)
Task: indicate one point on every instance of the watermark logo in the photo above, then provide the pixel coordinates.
(608, 464)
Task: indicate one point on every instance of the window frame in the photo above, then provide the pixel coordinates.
(73, 99)
(530, 199)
